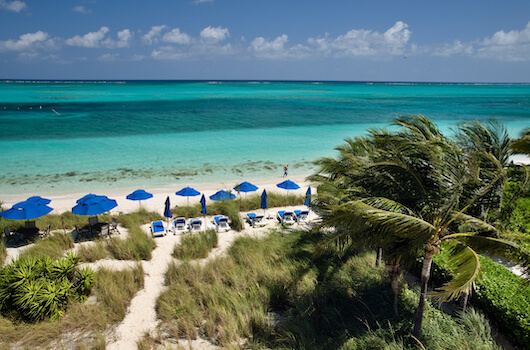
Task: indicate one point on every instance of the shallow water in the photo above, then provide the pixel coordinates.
(65, 136)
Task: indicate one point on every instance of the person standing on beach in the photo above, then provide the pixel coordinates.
(285, 170)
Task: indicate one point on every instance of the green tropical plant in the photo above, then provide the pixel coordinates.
(522, 144)
(36, 288)
(406, 192)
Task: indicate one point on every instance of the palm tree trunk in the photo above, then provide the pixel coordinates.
(379, 257)
(425, 275)
(394, 272)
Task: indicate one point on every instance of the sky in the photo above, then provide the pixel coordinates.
(316, 40)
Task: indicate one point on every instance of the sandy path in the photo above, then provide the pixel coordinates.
(141, 316)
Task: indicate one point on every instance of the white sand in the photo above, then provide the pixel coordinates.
(65, 202)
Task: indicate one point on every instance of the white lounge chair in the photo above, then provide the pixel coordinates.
(221, 223)
(302, 216)
(195, 225)
(179, 225)
(286, 217)
(255, 220)
(158, 228)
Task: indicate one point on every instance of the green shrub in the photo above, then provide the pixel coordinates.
(196, 246)
(35, 288)
(505, 298)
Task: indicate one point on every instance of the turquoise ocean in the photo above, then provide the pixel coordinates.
(66, 136)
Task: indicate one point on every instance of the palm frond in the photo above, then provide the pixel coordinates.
(467, 263)
(472, 222)
(494, 246)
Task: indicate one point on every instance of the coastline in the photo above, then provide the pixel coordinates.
(62, 202)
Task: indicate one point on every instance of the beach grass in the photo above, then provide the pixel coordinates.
(3, 253)
(83, 325)
(93, 252)
(53, 246)
(195, 246)
(275, 292)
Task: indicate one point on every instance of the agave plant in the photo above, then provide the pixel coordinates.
(34, 289)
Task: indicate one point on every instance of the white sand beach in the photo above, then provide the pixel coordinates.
(66, 201)
(141, 316)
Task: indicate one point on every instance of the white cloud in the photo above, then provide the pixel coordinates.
(214, 34)
(177, 37)
(153, 34)
(363, 42)
(15, 6)
(511, 46)
(82, 9)
(29, 41)
(109, 57)
(124, 40)
(201, 1)
(89, 40)
(456, 48)
(167, 53)
(269, 49)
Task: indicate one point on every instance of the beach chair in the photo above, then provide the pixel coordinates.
(302, 216)
(10, 236)
(45, 232)
(104, 231)
(158, 228)
(255, 220)
(195, 225)
(179, 225)
(82, 233)
(221, 223)
(114, 225)
(286, 217)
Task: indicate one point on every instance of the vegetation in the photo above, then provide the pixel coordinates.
(83, 323)
(36, 288)
(53, 246)
(503, 296)
(407, 192)
(275, 293)
(196, 246)
(93, 252)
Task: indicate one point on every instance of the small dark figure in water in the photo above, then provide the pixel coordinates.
(285, 170)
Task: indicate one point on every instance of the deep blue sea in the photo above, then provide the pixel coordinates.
(62, 136)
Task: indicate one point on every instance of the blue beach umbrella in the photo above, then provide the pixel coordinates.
(39, 200)
(307, 200)
(188, 192)
(92, 204)
(203, 204)
(222, 196)
(167, 209)
(264, 200)
(139, 195)
(288, 185)
(26, 210)
(246, 187)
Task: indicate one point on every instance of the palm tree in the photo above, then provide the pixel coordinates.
(406, 195)
(489, 148)
(522, 144)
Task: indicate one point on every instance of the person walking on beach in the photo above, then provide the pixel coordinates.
(285, 170)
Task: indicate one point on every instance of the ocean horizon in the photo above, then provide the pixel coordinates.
(89, 135)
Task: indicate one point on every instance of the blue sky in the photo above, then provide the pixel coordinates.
(355, 40)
